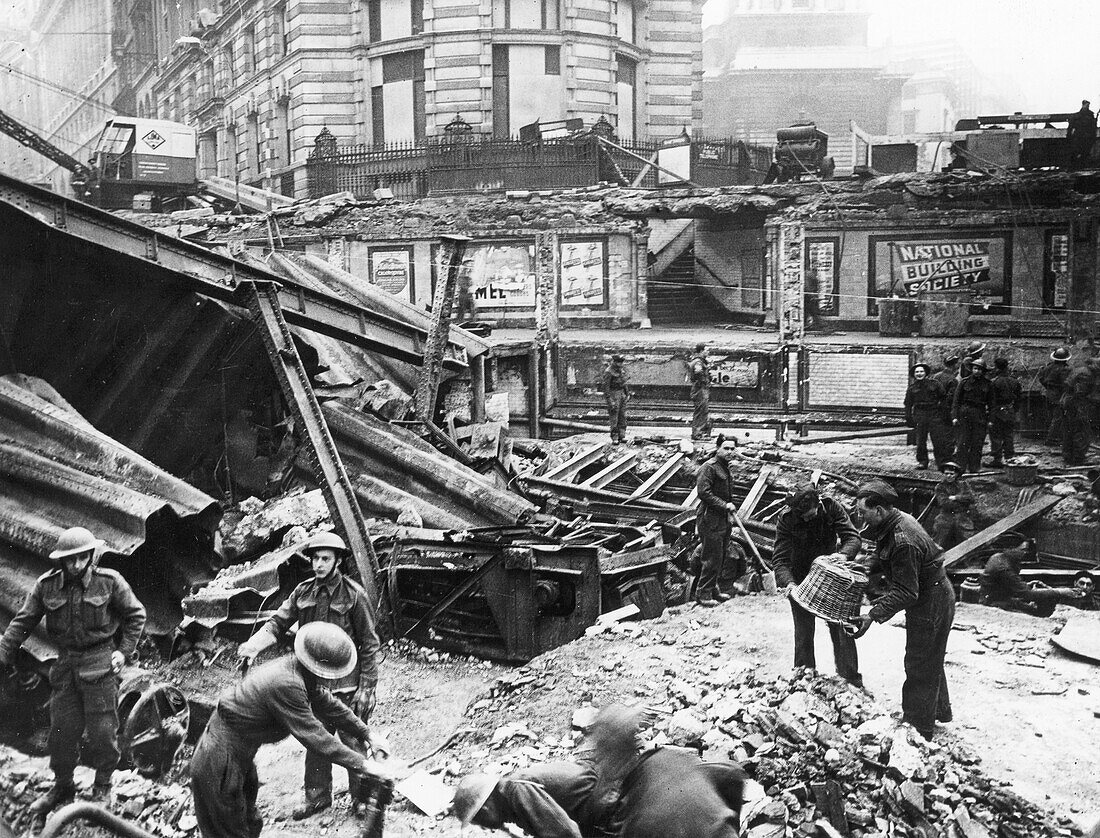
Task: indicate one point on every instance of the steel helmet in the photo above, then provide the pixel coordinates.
(471, 795)
(74, 540)
(976, 347)
(979, 363)
(325, 539)
(1060, 354)
(325, 650)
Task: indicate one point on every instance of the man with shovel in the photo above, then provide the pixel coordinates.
(815, 525)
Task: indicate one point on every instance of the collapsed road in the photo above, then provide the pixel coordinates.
(276, 402)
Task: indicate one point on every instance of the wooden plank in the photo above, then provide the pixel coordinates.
(756, 492)
(1022, 516)
(616, 469)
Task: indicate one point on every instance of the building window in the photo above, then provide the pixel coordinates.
(553, 61)
(374, 21)
(227, 63)
(909, 122)
(255, 150)
(248, 49)
(378, 115)
(501, 127)
(281, 29)
(627, 85)
(551, 14)
(416, 12)
(282, 122)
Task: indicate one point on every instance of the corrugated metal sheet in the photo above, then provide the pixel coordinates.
(57, 471)
(445, 492)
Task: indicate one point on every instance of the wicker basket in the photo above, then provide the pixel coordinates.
(1021, 474)
(831, 591)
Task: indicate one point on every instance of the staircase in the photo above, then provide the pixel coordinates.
(674, 298)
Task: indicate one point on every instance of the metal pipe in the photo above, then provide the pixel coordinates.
(95, 814)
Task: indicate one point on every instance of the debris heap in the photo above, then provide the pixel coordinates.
(828, 759)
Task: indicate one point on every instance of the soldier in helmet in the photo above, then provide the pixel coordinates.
(95, 620)
(974, 402)
(328, 597)
(288, 696)
(974, 351)
(1053, 377)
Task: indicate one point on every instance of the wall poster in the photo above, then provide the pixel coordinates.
(583, 274)
(502, 274)
(391, 269)
(920, 264)
(1056, 270)
(823, 274)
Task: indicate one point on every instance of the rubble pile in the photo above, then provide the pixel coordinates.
(162, 809)
(825, 755)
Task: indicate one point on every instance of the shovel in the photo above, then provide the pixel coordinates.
(767, 577)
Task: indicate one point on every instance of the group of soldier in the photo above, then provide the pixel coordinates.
(324, 688)
(956, 406)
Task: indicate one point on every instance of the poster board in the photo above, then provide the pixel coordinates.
(583, 273)
(909, 265)
(823, 273)
(501, 274)
(1056, 270)
(391, 269)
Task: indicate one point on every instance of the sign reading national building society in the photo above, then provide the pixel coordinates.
(940, 264)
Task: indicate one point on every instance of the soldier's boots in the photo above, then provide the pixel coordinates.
(59, 795)
(309, 808)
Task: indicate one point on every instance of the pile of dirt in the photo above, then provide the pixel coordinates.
(818, 750)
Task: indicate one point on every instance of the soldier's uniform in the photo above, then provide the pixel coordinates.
(1002, 422)
(699, 373)
(617, 392)
(948, 378)
(274, 701)
(83, 617)
(1053, 378)
(924, 412)
(973, 404)
(343, 603)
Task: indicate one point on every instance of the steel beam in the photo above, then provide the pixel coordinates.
(612, 472)
(568, 470)
(216, 276)
(452, 249)
(659, 478)
(263, 302)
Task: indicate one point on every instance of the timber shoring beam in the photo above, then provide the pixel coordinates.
(263, 302)
(1018, 518)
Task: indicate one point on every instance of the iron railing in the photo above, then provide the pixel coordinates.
(449, 165)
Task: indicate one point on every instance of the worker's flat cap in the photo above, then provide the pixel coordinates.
(878, 491)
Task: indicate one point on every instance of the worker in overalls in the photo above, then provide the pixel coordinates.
(329, 597)
(94, 619)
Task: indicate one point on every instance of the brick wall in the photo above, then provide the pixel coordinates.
(858, 380)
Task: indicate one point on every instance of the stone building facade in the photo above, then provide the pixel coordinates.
(259, 79)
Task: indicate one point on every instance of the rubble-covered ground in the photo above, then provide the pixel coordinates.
(1026, 724)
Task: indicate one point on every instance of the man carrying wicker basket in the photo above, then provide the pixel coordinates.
(917, 585)
(814, 525)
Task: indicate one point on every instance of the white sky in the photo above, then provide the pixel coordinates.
(1046, 50)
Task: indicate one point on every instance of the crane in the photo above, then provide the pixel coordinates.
(133, 157)
(22, 134)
